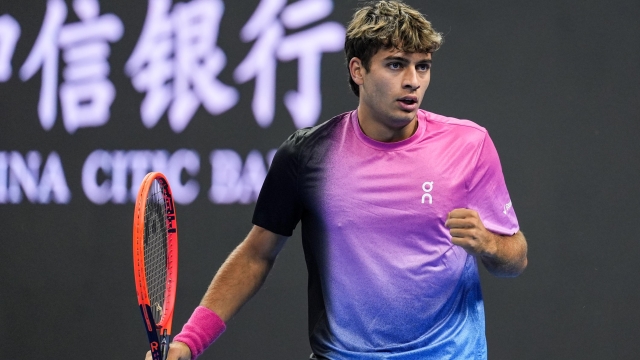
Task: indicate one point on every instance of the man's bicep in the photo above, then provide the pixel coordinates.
(264, 243)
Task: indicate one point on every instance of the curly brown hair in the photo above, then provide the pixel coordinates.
(387, 24)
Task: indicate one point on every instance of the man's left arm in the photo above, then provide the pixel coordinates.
(502, 255)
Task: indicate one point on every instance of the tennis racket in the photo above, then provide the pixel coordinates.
(155, 259)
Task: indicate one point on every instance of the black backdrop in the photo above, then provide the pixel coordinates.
(555, 83)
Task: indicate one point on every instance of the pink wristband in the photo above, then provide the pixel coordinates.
(202, 329)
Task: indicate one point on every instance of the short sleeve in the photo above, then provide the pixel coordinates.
(278, 206)
(488, 194)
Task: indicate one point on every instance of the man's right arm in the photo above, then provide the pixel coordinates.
(238, 279)
(243, 273)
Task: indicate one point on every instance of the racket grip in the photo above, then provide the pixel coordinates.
(164, 346)
(202, 329)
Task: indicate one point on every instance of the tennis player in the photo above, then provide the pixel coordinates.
(397, 205)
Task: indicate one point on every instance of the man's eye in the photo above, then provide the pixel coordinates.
(424, 67)
(394, 65)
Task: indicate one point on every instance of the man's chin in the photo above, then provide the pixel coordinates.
(405, 117)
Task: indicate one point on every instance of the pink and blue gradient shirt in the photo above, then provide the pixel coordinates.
(385, 281)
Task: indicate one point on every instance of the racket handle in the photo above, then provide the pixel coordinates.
(152, 333)
(164, 345)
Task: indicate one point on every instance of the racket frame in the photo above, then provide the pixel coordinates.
(158, 333)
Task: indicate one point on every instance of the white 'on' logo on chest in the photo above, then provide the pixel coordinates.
(427, 187)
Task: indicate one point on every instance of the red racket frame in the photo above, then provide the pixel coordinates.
(159, 346)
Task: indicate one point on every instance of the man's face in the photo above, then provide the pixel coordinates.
(392, 90)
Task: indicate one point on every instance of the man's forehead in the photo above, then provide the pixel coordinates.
(399, 53)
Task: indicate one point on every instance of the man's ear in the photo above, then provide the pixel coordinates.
(356, 70)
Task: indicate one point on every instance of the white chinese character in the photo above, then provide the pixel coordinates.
(267, 27)
(177, 62)
(86, 93)
(45, 55)
(9, 34)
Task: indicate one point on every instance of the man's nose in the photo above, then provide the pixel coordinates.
(410, 80)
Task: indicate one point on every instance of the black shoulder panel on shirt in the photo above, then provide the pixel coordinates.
(279, 207)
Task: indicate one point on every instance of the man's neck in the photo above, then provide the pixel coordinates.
(376, 130)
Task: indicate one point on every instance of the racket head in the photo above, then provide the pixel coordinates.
(155, 252)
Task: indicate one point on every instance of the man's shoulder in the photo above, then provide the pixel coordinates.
(453, 123)
(307, 134)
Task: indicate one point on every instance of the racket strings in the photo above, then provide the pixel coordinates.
(155, 249)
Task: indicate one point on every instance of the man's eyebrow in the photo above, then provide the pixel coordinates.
(405, 60)
(397, 58)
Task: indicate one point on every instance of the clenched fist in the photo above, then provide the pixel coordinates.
(468, 232)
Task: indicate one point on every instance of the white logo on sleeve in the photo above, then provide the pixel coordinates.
(427, 187)
(507, 206)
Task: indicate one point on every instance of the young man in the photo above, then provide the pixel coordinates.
(397, 205)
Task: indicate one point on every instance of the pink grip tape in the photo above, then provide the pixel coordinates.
(202, 329)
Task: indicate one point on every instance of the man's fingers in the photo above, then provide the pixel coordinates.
(460, 233)
(470, 246)
(459, 224)
(461, 214)
(464, 242)
(465, 228)
(179, 351)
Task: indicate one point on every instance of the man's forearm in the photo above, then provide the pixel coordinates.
(510, 256)
(242, 274)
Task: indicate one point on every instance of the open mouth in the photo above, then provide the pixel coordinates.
(408, 100)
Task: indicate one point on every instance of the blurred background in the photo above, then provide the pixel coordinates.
(95, 94)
